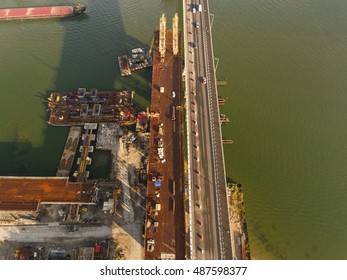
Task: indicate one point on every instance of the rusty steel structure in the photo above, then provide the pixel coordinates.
(165, 222)
(27, 193)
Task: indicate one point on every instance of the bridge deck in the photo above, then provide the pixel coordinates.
(206, 167)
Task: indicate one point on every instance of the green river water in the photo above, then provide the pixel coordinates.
(286, 67)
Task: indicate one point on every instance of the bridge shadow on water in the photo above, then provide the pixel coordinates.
(89, 53)
(91, 46)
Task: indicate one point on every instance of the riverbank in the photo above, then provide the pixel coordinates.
(238, 223)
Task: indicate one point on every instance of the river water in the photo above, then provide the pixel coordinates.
(286, 65)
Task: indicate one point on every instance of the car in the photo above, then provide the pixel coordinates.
(150, 247)
(204, 80)
(150, 241)
(199, 7)
(200, 236)
(198, 205)
(197, 25)
(197, 186)
(200, 250)
(199, 222)
(195, 46)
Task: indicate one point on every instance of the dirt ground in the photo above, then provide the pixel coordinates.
(128, 151)
(133, 250)
(236, 219)
(14, 237)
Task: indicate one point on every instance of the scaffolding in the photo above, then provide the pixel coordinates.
(175, 34)
(224, 119)
(221, 100)
(227, 141)
(162, 37)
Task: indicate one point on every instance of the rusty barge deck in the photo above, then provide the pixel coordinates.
(77, 108)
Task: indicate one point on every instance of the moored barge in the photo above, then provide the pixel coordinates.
(77, 108)
(41, 12)
(140, 58)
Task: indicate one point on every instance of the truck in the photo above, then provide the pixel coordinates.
(160, 129)
(173, 113)
(200, 8)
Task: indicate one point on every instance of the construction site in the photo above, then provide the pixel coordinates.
(75, 211)
(165, 228)
(137, 212)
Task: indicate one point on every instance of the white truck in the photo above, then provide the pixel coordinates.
(200, 8)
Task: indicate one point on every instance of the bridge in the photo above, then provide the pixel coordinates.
(209, 219)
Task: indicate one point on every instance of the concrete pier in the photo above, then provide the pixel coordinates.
(68, 156)
(82, 174)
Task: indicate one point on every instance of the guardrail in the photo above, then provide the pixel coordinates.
(188, 120)
(214, 117)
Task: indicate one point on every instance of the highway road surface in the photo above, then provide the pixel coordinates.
(209, 220)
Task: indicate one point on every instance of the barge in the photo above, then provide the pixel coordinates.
(41, 12)
(77, 108)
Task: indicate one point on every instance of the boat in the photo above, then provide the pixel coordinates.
(41, 12)
(139, 59)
